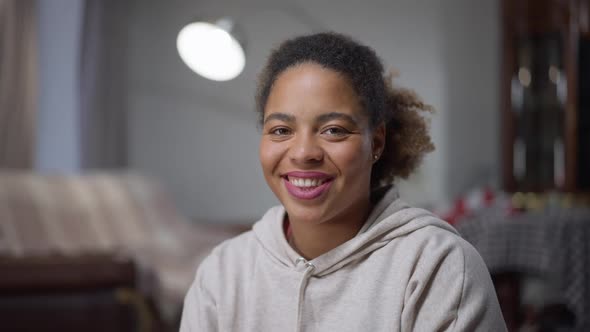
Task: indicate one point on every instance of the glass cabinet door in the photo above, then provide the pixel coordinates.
(538, 95)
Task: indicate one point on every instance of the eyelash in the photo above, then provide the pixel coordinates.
(340, 132)
(275, 131)
(337, 132)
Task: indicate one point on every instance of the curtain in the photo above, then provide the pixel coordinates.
(18, 83)
(103, 112)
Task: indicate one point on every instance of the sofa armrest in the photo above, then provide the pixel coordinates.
(64, 274)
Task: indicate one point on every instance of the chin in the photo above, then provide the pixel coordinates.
(305, 214)
(310, 212)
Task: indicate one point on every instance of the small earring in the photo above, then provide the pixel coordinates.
(375, 157)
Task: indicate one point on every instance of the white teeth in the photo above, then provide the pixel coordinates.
(306, 183)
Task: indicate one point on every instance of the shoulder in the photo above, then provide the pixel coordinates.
(459, 269)
(236, 249)
(225, 262)
(245, 248)
(449, 277)
(446, 254)
(462, 250)
(439, 242)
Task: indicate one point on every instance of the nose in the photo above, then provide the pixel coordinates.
(306, 150)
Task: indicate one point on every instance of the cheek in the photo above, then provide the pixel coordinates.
(269, 155)
(352, 158)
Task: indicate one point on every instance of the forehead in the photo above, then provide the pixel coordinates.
(309, 88)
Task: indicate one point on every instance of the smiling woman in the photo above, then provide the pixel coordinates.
(315, 129)
(343, 252)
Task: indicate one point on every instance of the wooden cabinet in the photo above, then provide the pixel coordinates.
(545, 86)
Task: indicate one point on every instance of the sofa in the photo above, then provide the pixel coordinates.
(104, 251)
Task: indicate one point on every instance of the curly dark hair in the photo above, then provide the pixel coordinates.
(407, 136)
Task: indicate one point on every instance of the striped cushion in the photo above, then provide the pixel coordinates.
(106, 213)
(74, 215)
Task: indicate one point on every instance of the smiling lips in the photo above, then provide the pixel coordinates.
(307, 185)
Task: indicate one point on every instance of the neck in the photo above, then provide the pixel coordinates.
(311, 240)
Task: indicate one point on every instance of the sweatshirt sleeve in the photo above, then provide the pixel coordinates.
(199, 312)
(478, 309)
(452, 291)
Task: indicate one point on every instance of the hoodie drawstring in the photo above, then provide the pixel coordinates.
(309, 267)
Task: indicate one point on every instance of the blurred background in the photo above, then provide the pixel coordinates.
(122, 165)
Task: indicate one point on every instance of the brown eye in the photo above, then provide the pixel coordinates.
(280, 131)
(336, 132)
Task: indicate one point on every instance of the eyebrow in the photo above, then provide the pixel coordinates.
(320, 119)
(281, 117)
(336, 116)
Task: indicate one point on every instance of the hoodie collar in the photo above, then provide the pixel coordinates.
(389, 219)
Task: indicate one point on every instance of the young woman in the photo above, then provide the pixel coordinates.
(342, 252)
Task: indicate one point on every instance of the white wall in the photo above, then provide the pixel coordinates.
(471, 64)
(58, 136)
(200, 137)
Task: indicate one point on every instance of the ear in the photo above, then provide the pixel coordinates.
(378, 140)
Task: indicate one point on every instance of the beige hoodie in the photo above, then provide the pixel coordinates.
(406, 270)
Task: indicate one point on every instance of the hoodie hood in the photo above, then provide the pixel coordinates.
(390, 218)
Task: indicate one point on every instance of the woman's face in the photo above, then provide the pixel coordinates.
(317, 148)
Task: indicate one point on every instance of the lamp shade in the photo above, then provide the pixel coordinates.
(211, 49)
